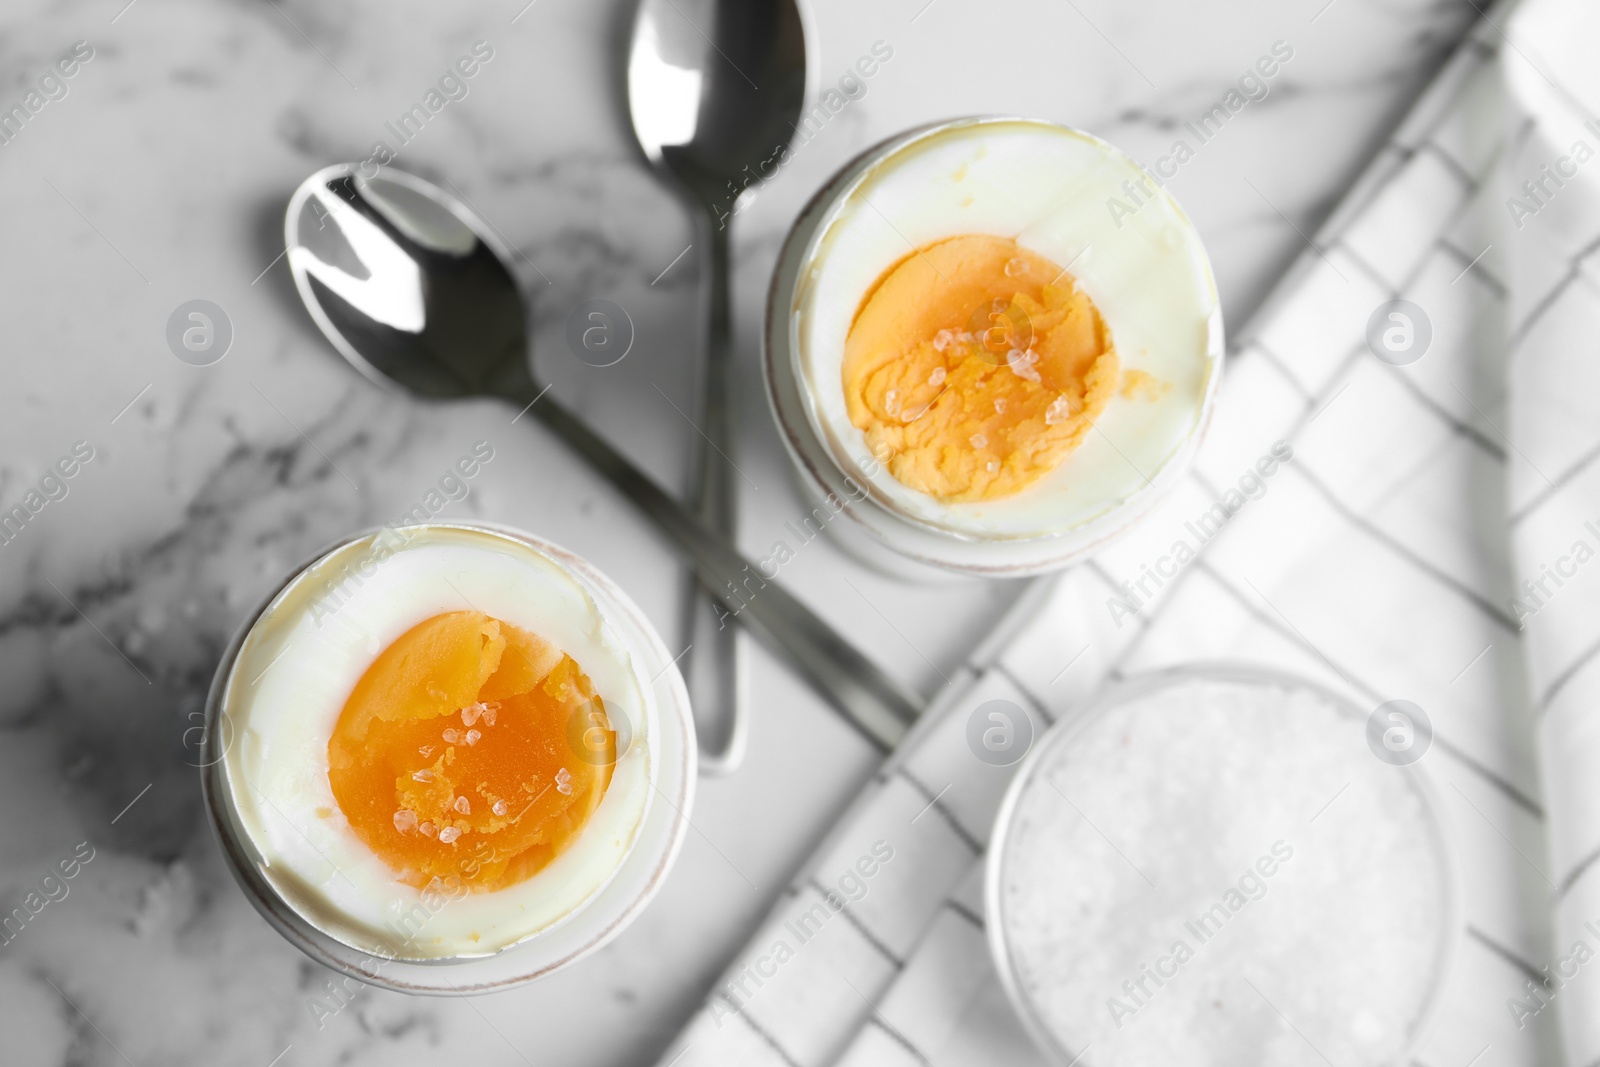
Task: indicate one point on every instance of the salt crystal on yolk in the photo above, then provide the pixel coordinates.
(406, 795)
(959, 360)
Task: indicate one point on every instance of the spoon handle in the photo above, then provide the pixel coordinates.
(714, 666)
(877, 705)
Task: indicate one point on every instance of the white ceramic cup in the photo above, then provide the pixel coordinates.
(665, 720)
(863, 517)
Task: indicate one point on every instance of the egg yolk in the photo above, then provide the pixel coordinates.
(471, 751)
(974, 366)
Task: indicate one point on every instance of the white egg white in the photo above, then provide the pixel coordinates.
(300, 663)
(1049, 188)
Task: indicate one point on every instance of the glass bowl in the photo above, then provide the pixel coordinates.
(1145, 792)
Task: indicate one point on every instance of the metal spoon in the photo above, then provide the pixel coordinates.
(411, 286)
(715, 88)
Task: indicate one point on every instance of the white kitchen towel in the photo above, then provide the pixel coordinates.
(1377, 561)
(1553, 368)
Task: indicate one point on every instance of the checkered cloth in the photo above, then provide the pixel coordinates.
(1378, 561)
(1552, 363)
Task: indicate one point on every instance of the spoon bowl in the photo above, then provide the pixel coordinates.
(715, 89)
(408, 285)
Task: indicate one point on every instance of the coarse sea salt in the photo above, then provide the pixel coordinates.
(1174, 835)
(1022, 364)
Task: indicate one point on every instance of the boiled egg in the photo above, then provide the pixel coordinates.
(441, 745)
(1006, 329)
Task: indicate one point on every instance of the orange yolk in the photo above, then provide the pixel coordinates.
(470, 751)
(974, 366)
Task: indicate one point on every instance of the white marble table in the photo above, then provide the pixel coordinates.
(160, 177)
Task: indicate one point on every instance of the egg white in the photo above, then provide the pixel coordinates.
(1049, 188)
(299, 664)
